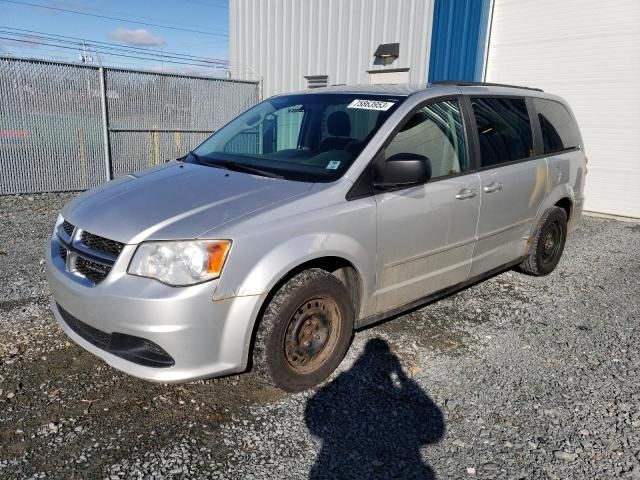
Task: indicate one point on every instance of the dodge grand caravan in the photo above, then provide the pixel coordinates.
(309, 215)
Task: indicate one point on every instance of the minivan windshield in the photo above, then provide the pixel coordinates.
(306, 137)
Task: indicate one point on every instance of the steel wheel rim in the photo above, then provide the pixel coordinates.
(312, 334)
(551, 242)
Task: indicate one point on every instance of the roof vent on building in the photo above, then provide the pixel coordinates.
(317, 81)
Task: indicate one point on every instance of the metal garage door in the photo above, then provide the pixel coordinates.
(587, 51)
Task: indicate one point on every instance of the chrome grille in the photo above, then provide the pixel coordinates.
(96, 272)
(68, 228)
(86, 254)
(102, 245)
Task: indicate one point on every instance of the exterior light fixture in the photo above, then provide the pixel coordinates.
(387, 51)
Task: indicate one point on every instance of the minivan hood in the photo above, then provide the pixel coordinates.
(175, 201)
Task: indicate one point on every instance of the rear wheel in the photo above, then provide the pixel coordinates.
(548, 243)
(305, 331)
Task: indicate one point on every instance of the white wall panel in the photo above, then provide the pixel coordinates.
(388, 78)
(587, 51)
(281, 41)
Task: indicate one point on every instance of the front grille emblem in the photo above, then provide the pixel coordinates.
(69, 260)
(88, 255)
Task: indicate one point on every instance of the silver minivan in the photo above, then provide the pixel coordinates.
(308, 216)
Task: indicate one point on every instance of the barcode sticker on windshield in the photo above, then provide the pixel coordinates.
(371, 105)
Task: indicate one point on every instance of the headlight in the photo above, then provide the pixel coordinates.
(180, 263)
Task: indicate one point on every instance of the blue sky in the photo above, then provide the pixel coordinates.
(204, 15)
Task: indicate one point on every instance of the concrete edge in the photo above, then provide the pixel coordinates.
(611, 217)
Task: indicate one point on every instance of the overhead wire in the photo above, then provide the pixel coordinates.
(77, 48)
(108, 46)
(83, 6)
(108, 17)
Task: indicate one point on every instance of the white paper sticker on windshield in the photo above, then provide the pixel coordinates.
(371, 105)
(333, 165)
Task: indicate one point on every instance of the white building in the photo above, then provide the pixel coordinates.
(587, 51)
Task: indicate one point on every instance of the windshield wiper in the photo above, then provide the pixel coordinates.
(241, 167)
(195, 156)
(238, 167)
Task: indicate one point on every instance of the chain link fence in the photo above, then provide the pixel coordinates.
(71, 127)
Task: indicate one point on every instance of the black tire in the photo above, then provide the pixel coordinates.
(548, 243)
(305, 331)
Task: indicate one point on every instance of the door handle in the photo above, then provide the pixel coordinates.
(493, 187)
(465, 193)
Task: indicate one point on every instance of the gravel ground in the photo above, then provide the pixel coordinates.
(516, 377)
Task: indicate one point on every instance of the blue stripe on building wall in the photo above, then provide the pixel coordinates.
(458, 39)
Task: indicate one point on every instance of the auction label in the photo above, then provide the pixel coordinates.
(371, 105)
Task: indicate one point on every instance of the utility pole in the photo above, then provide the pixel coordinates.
(84, 56)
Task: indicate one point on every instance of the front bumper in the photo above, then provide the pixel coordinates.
(203, 337)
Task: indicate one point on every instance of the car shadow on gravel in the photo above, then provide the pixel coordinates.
(373, 421)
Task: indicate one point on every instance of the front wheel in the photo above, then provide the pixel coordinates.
(305, 331)
(548, 243)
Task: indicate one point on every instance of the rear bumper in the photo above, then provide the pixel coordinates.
(200, 337)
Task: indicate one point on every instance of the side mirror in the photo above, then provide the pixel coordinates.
(403, 170)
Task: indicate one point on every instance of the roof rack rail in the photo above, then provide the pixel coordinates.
(466, 83)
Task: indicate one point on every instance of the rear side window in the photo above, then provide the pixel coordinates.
(504, 130)
(559, 131)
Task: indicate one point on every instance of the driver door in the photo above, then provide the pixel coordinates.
(426, 233)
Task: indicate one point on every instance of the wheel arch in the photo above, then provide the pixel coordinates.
(567, 205)
(339, 266)
(561, 196)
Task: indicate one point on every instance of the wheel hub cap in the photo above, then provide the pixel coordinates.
(309, 333)
(551, 242)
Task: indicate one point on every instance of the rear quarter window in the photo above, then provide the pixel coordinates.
(559, 130)
(504, 130)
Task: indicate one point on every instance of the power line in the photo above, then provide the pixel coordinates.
(76, 12)
(108, 53)
(107, 45)
(79, 5)
(131, 47)
(37, 40)
(25, 52)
